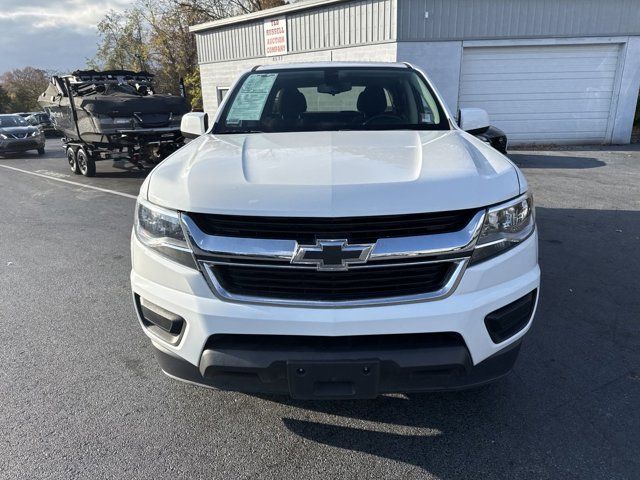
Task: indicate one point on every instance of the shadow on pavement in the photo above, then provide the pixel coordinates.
(121, 173)
(525, 160)
(569, 409)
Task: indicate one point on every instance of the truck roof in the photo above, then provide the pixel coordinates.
(288, 66)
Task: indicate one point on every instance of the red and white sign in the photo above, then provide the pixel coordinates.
(275, 36)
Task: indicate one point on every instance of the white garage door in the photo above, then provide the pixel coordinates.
(543, 94)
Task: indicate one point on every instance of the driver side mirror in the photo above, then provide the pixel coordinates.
(473, 119)
(194, 124)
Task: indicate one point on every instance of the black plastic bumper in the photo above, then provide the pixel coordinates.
(20, 146)
(342, 368)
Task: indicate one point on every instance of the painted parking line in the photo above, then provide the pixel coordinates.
(57, 178)
(51, 173)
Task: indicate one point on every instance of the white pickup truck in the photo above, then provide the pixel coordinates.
(335, 234)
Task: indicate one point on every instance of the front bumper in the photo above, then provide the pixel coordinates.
(343, 373)
(21, 144)
(483, 289)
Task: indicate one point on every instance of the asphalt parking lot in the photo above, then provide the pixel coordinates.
(83, 397)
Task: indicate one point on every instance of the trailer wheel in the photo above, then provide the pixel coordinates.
(73, 161)
(86, 164)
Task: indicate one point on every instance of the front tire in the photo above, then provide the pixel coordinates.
(86, 164)
(41, 151)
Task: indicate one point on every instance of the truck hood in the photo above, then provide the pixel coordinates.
(333, 174)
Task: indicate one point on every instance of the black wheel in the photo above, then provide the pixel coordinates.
(86, 164)
(73, 162)
(41, 151)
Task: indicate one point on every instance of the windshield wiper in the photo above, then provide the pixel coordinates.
(240, 131)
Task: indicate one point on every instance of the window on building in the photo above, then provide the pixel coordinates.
(221, 93)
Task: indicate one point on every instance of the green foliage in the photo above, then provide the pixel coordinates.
(20, 89)
(123, 41)
(192, 85)
(5, 101)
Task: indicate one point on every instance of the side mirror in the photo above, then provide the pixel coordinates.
(194, 124)
(474, 119)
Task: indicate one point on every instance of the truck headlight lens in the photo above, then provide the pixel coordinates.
(505, 226)
(159, 229)
(3, 136)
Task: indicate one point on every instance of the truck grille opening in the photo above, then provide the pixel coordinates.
(354, 229)
(292, 283)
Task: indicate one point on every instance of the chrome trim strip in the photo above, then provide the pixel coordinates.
(308, 267)
(448, 288)
(204, 245)
(430, 245)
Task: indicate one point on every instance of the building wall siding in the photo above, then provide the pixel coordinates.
(441, 62)
(231, 42)
(342, 24)
(495, 19)
(337, 25)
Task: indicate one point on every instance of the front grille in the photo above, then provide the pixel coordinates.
(294, 283)
(354, 229)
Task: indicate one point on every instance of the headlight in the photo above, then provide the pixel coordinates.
(3, 136)
(159, 229)
(33, 134)
(505, 226)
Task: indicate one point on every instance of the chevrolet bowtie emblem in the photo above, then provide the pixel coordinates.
(331, 255)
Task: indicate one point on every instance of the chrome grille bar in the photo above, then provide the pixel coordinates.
(213, 250)
(457, 243)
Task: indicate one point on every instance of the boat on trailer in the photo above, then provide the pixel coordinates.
(114, 114)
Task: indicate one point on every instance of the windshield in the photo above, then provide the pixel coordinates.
(331, 99)
(12, 121)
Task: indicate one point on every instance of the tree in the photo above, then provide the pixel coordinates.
(173, 46)
(123, 42)
(22, 88)
(154, 35)
(5, 101)
(210, 10)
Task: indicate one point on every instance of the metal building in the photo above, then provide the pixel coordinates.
(547, 71)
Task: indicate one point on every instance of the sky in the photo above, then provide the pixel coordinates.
(51, 34)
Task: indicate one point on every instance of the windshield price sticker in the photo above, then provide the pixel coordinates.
(251, 98)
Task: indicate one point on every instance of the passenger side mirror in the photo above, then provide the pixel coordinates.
(194, 124)
(473, 119)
